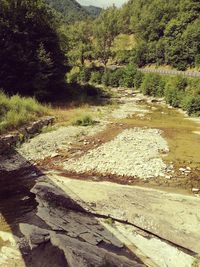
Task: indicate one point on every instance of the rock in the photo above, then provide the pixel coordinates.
(195, 190)
(54, 155)
(10, 140)
(139, 149)
(34, 235)
(89, 238)
(44, 145)
(155, 211)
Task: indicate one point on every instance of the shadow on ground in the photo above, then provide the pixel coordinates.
(19, 206)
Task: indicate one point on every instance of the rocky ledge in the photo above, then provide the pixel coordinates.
(8, 141)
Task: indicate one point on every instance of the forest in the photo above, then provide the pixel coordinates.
(49, 47)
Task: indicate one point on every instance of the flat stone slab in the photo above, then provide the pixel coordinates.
(171, 216)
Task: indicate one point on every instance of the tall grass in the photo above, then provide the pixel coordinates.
(16, 111)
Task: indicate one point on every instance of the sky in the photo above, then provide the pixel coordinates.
(102, 3)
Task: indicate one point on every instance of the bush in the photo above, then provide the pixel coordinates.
(129, 76)
(191, 104)
(116, 77)
(73, 75)
(106, 78)
(4, 104)
(173, 97)
(138, 79)
(122, 56)
(175, 90)
(153, 85)
(85, 120)
(182, 65)
(180, 83)
(84, 75)
(16, 111)
(96, 77)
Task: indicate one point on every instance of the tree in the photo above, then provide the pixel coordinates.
(105, 30)
(167, 32)
(80, 42)
(30, 54)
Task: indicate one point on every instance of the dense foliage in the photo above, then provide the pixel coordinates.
(71, 10)
(168, 32)
(37, 45)
(105, 30)
(93, 10)
(178, 91)
(30, 55)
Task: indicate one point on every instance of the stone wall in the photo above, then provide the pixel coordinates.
(7, 141)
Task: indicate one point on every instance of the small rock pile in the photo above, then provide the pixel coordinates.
(48, 144)
(134, 152)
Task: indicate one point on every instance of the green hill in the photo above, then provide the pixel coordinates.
(93, 10)
(70, 9)
(168, 32)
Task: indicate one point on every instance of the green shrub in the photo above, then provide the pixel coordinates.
(106, 78)
(191, 104)
(109, 221)
(197, 60)
(115, 77)
(73, 75)
(96, 77)
(181, 65)
(175, 90)
(153, 85)
(181, 83)
(193, 87)
(173, 97)
(138, 79)
(16, 111)
(84, 75)
(85, 120)
(129, 73)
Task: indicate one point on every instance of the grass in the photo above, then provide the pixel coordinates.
(49, 128)
(84, 120)
(109, 221)
(16, 111)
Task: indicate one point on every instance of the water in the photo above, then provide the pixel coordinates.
(183, 143)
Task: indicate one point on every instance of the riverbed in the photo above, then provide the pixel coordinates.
(137, 142)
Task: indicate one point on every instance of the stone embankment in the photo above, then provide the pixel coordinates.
(7, 141)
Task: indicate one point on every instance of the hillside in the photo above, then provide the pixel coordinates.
(93, 10)
(70, 9)
(167, 31)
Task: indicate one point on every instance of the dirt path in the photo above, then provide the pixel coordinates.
(97, 223)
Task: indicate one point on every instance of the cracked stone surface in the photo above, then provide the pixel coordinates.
(161, 213)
